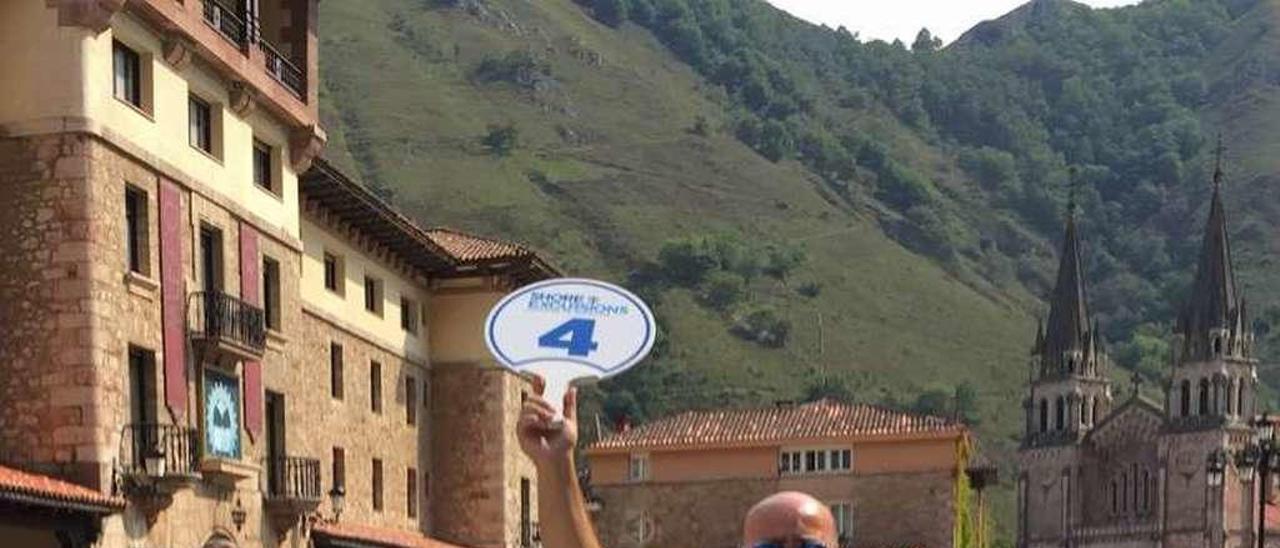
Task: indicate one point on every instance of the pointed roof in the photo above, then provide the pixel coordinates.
(1214, 299)
(1068, 306)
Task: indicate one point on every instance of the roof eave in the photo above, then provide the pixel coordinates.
(945, 434)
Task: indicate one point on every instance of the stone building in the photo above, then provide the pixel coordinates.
(1101, 469)
(212, 329)
(890, 478)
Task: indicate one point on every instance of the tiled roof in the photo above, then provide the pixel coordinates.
(40, 489)
(469, 248)
(397, 538)
(780, 424)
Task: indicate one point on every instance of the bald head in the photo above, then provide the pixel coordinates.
(786, 517)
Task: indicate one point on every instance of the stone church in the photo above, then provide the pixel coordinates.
(1100, 468)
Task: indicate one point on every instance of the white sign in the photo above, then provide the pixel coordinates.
(567, 329)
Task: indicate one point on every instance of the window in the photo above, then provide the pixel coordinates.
(1204, 397)
(127, 74)
(815, 460)
(377, 485)
(1093, 413)
(339, 467)
(1185, 397)
(373, 295)
(410, 401)
(411, 493)
(1059, 414)
(142, 384)
(426, 395)
(526, 513)
(137, 249)
(1115, 501)
(375, 387)
(335, 370)
(264, 174)
(843, 512)
(1044, 415)
(200, 124)
(211, 258)
(639, 467)
(1240, 397)
(409, 315)
(332, 273)
(271, 292)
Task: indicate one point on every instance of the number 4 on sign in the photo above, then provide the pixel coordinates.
(573, 335)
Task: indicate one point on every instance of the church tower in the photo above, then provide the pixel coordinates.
(1214, 377)
(1069, 389)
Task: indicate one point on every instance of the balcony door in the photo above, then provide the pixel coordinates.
(210, 259)
(275, 440)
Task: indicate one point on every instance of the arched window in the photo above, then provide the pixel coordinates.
(1217, 346)
(1204, 397)
(1185, 406)
(1071, 364)
(1115, 498)
(1240, 410)
(1124, 491)
(1060, 414)
(1146, 490)
(1231, 396)
(1084, 410)
(1093, 414)
(1044, 415)
(1134, 471)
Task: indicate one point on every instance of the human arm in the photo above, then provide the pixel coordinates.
(562, 512)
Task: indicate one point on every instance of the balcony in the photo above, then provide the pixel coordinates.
(225, 326)
(283, 70)
(227, 22)
(243, 31)
(293, 485)
(157, 457)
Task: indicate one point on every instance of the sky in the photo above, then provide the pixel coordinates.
(889, 19)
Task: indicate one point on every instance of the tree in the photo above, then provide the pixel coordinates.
(501, 139)
(782, 259)
(926, 42)
(687, 261)
(610, 12)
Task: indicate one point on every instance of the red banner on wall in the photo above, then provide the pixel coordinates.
(249, 276)
(173, 293)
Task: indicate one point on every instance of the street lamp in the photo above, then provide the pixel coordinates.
(1216, 468)
(337, 498)
(154, 462)
(1259, 457)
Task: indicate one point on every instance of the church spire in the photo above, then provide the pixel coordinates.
(1066, 344)
(1215, 307)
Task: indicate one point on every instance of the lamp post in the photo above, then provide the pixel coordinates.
(337, 498)
(1259, 457)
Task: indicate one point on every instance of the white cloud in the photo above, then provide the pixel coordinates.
(902, 19)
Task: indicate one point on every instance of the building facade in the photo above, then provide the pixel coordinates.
(1101, 469)
(213, 328)
(891, 479)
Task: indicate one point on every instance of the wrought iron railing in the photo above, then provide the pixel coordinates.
(159, 450)
(227, 22)
(293, 478)
(217, 316)
(283, 69)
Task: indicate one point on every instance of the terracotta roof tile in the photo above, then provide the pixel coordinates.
(779, 424)
(398, 538)
(469, 248)
(43, 488)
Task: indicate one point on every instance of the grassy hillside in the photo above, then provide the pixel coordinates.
(683, 149)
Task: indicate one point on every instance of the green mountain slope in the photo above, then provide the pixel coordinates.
(687, 147)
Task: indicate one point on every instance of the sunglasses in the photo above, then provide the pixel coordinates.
(800, 543)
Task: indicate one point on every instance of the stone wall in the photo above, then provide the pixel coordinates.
(49, 417)
(475, 493)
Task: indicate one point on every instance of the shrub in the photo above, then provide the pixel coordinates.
(518, 67)
(687, 261)
(501, 139)
(810, 289)
(764, 326)
(722, 290)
